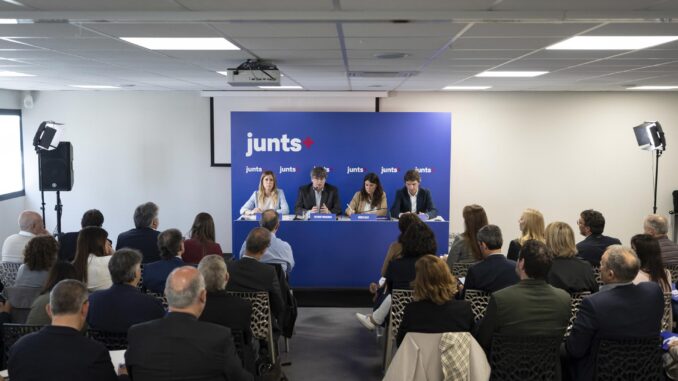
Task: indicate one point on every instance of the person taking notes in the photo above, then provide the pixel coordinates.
(412, 198)
(269, 196)
(370, 199)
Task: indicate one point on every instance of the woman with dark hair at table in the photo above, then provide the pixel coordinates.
(92, 254)
(58, 272)
(370, 199)
(465, 247)
(434, 309)
(268, 196)
(651, 264)
(202, 241)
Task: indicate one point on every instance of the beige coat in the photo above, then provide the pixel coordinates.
(358, 206)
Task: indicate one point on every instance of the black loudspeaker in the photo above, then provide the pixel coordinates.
(675, 201)
(56, 168)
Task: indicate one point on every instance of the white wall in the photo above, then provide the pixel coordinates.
(10, 209)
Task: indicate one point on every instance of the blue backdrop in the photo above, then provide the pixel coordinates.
(348, 144)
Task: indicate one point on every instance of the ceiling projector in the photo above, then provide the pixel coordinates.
(254, 73)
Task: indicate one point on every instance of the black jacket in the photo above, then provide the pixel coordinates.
(592, 247)
(428, 317)
(248, 275)
(306, 199)
(120, 307)
(492, 274)
(572, 275)
(402, 203)
(142, 239)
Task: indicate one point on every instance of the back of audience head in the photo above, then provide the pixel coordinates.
(213, 269)
(591, 222)
(405, 221)
(40, 253)
(60, 271)
(490, 236)
(433, 281)
(185, 290)
(656, 225)
(531, 225)
(146, 216)
(257, 241)
(560, 240)
(474, 219)
(649, 253)
(31, 222)
(619, 264)
(203, 228)
(536, 259)
(67, 298)
(125, 266)
(91, 240)
(170, 243)
(92, 217)
(269, 220)
(419, 240)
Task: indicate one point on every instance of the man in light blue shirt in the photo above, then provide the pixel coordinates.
(280, 251)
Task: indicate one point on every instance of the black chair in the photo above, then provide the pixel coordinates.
(525, 358)
(596, 273)
(459, 270)
(479, 301)
(11, 333)
(161, 297)
(636, 359)
(114, 341)
(575, 301)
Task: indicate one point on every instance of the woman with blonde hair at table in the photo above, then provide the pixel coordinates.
(268, 196)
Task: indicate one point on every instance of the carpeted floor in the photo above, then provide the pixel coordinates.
(330, 344)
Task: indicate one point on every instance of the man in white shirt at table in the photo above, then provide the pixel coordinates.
(30, 225)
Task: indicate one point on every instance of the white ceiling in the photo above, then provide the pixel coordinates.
(316, 43)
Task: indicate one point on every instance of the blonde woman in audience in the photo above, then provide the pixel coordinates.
(567, 272)
(92, 254)
(268, 196)
(40, 253)
(531, 225)
(465, 247)
(651, 263)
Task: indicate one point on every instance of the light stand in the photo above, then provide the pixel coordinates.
(47, 138)
(650, 136)
(658, 154)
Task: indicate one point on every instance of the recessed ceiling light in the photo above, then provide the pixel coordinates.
(611, 42)
(96, 87)
(511, 73)
(9, 21)
(281, 87)
(391, 56)
(652, 88)
(467, 87)
(183, 43)
(14, 74)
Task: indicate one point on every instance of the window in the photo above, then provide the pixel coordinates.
(11, 155)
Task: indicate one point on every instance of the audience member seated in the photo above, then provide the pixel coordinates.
(530, 308)
(69, 241)
(144, 236)
(30, 225)
(495, 272)
(60, 351)
(58, 272)
(371, 198)
(248, 274)
(171, 245)
(122, 305)
(619, 310)
(40, 254)
(91, 258)
(651, 266)
(658, 226)
(568, 272)
(179, 346)
(318, 196)
(268, 196)
(465, 248)
(434, 309)
(591, 225)
(412, 198)
(531, 224)
(202, 241)
(279, 251)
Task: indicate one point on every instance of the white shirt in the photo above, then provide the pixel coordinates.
(98, 276)
(13, 248)
(413, 202)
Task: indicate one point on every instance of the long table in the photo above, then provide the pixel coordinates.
(337, 254)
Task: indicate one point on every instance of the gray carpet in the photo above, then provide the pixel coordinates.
(330, 344)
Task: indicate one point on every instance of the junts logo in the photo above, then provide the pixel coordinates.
(389, 170)
(283, 144)
(355, 170)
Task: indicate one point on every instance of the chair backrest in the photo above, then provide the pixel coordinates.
(575, 302)
(479, 301)
(673, 269)
(11, 333)
(260, 321)
(8, 272)
(637, 359)
(596, 273)
(161, 297)
(399, 300)
(114, 341)
(459, 270)
(21, 299)
(523, 358)
(140, 285)
(667, 318)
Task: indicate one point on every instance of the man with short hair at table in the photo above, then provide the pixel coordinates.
(413, 198)
(494, 272)
(318, 196)
(657, 226)
(30, 225)
(279, 252)
(179, 346)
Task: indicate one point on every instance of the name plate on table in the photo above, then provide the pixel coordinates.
(363, 217)
(322, 217)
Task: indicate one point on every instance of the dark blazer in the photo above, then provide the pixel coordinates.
(400, 273)
(572, 275)
(623, 312)
(68, 242)
(229, 311)
(306, 199)
(142, 239)
(120, 307)
(592, 247)
(428, 317)
(155, 274)
(530, 308)
(248, 274)
(514, 250)
(402, 203)
(180, 347)
(492, 274)
(60, 353)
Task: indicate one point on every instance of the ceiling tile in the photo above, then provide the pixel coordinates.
(276, 29)
(413, 29)
(259, 5)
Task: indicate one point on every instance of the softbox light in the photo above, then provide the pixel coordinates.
(47, 136)
(650, 136)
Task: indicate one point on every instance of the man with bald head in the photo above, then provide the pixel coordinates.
(30, 225)
(278, 251)
(657, 226)
(619, 310)
(179, 346)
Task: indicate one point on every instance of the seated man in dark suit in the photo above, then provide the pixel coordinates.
(248, 274)
(144, 237)
(619, 310)
(60, 351)
(318, 196)
(657, 226)
(591, 225)
(69, 241)
(495, 271)
(412, 198)
(122, 305)
(530, 308)
(171, 245)
(179, 346)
